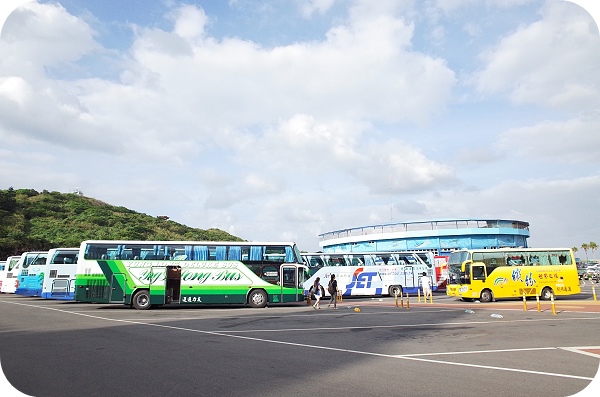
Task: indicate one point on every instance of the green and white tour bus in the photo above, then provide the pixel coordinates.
(146, 274)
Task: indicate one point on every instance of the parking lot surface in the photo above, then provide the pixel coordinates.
(369, 346)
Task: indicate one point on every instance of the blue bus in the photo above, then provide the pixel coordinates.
(30, 273)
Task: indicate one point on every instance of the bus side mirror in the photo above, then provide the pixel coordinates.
(465, 265)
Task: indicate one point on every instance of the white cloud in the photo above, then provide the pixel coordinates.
(387, 82)
(284, 141)
(570, 141)
(185, 79)
(190, 22)
(448, 6)
(40, 35)
(552, 62)
(534, 201)
(310, 7)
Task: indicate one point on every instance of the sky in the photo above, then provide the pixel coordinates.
(281, 120)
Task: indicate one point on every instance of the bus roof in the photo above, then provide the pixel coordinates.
(364, 253)
(513, 249)
(190, 242)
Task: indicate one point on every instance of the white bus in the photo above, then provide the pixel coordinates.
(144, 274)
(370, 273)
(59, 278)
(8, 277)
(2, 272)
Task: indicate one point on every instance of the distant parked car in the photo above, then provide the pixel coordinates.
(581, 270)
(592, 272)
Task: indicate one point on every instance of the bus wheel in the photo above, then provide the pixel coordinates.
(486, 296)
(257, 298)
(395, 290)
(546, 293)
(141, 300)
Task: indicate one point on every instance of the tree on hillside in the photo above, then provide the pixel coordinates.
(8, 201)
(32, 221)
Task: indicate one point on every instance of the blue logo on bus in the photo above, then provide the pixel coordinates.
(516, 274)
(361, 279)
(529, 280)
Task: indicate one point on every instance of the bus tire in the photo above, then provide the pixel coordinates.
(486, 296)
(546, 293)
(141, 300)
(257, 298)
(395, 290)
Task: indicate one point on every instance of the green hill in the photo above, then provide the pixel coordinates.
(39, 221)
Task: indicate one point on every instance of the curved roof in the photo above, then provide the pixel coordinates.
(456, 226)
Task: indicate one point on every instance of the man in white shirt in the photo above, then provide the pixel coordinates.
(426, 285)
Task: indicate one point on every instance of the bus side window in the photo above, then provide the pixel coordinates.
(478, 273)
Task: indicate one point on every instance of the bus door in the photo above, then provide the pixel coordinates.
(409, 277)
(60, 287)
(117, 285)
(289, 279)
(478, 276)
(173, 287)
(158, 285)
(71, 291)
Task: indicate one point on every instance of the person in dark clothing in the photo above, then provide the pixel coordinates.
(332, 289)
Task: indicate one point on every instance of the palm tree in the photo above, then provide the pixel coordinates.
(593, 246)
(585, 247)
(575, 249)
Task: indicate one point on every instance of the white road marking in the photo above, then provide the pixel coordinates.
(580, 350)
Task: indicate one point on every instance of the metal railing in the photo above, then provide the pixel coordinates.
(425, 226)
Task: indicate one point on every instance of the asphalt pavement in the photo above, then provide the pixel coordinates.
(369, 346)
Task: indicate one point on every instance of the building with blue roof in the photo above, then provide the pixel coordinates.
(439, 237)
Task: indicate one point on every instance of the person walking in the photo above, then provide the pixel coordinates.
(426, 285)
(316, 290)
(332, 289)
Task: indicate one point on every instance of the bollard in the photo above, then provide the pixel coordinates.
(401, 299)
(308, 300)
(396, 297)
(594, 292)
(339, 295)
(419, 296)
(537, 299)
(407, 302)
(431, 298)
(553, 306)
(524, 302)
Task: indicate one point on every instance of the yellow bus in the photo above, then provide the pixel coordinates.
(489, 274)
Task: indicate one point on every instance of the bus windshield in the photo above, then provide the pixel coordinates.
(456, 275)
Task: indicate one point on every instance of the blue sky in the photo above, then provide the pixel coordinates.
(281, 120)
